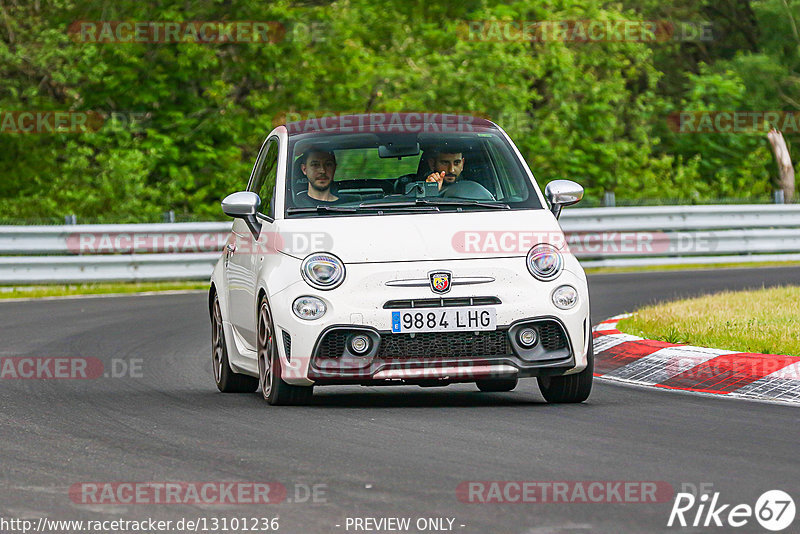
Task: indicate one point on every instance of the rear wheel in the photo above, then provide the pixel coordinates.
(569, 388)
(227, 381)
(490, 385)
(273, 388)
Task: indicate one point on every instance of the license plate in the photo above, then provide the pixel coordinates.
(444, 320)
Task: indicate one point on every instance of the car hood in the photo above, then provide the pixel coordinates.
(420, 236)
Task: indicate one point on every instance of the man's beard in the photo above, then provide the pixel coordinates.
(313, 184)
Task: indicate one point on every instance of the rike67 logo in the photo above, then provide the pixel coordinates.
(774, 510)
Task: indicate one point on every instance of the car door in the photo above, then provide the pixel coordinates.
(242, 263)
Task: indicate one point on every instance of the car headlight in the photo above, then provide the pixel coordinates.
(309, 308)
(544, 262)
(565, 297)
(322, 271)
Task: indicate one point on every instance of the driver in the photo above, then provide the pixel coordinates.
(446, 167)
(319, 167)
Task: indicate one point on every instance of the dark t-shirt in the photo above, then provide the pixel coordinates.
(302, 199)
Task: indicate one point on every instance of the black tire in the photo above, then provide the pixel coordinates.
(494, 385)
(227, 381)
(569, 388)
(274, 390)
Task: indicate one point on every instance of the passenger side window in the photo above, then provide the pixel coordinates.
(265, 177)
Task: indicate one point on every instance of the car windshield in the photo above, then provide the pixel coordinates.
(339, 173)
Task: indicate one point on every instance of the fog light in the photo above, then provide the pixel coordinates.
(527, 337)
(309, 308)
(359, 344)
(565, 297)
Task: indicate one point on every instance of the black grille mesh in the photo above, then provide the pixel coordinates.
(333, 344)
(444, 345)
(287, 344)
(552, 335)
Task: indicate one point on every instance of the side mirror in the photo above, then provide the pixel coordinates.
(562, 193)
(244, 205)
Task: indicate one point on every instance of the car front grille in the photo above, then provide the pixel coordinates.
(444, 345)
(423, 345)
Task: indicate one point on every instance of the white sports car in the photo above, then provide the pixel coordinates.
(398, 249)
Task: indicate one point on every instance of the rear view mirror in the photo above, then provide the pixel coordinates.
(244, 205)
(391, 150)
(562, 193)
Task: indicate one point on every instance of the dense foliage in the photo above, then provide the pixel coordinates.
(183, 121)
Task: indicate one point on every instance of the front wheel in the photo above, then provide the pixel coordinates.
(273, 388)
(227, 381)
(569, 388)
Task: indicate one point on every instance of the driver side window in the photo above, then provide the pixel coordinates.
(265, 176)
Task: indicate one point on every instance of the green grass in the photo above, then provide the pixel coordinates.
(765, 321)
(9, 292)
(688, 267)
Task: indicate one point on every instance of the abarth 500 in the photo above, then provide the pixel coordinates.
(398, 249)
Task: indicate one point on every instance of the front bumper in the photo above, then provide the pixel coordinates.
(430, 358)
(446, 356)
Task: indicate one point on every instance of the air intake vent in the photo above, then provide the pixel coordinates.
(552, 335)
(287, 344)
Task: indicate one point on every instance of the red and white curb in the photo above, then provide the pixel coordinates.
(635, 360)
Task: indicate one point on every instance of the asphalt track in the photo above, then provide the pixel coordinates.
(381, 452)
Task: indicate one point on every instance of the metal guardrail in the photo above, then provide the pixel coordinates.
(683, 235)
(675, 218)
(116, 267)
(113, 238)
(600, 237)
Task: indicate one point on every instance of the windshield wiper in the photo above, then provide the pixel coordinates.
(401, 204)
(460, 203)
(361, 207)
(419, 204)
(323, 209)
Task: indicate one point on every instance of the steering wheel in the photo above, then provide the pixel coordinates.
(467, 189)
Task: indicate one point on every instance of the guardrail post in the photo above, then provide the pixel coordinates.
(778, 196)
(71, 219)
(609, 199)
(169, 216)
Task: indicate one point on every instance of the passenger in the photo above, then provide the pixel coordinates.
(319, 167)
